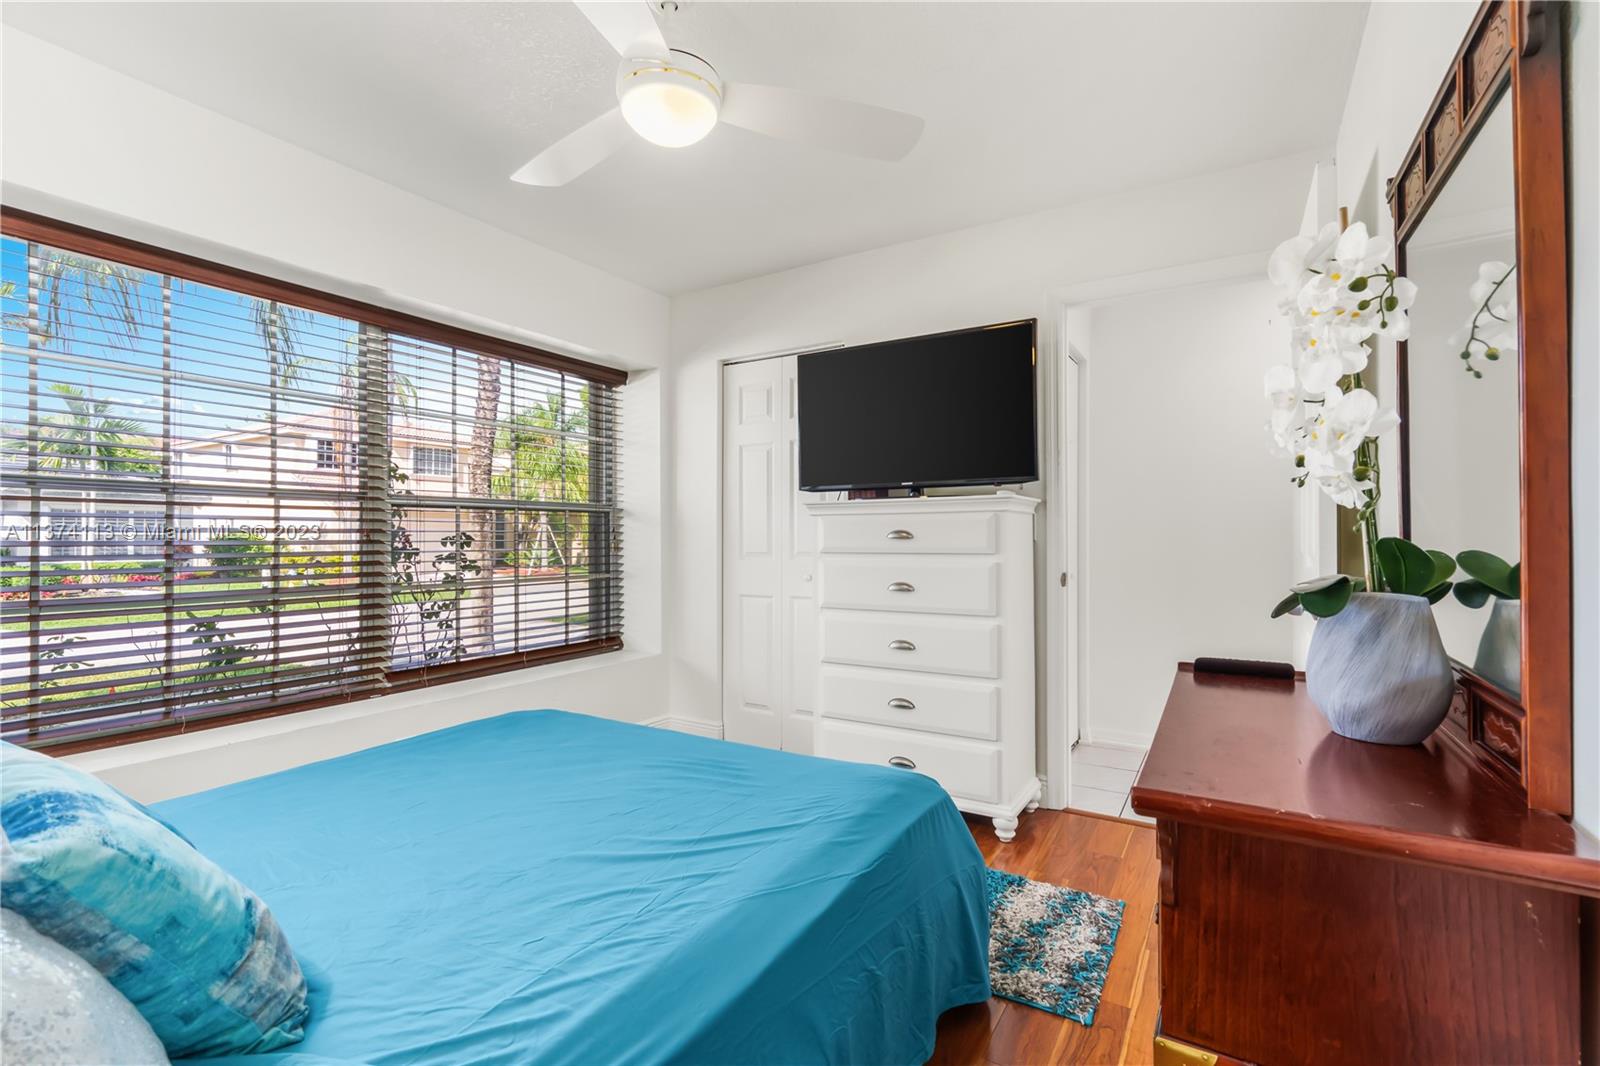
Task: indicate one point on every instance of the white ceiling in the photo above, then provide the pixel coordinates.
(1028, 106)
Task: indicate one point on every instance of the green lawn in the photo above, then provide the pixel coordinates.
(183, 614)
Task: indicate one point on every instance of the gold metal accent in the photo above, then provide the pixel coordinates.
(1170, 1052)
(716, 90)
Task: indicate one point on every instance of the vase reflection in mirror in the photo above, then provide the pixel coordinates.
(1499, 657)
(1378, 671)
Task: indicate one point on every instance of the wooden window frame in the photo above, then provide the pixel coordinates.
(36, 228)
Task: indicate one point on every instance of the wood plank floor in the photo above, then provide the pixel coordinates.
(1112, 858)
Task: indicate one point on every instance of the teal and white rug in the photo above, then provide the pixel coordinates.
(1050, 947)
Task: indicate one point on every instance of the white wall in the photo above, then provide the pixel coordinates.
(1189, 539)
(1006, 270)
(617, 685)
(88, 145)
(1405, 50)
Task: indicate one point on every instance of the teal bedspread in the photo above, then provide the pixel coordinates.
(553, 888)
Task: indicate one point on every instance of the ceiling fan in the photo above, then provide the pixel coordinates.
(674, 98)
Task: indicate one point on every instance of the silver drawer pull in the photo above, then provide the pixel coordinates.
(902, 645)
(902, 762)
(900, 703)
(902, 586)
(901, 534)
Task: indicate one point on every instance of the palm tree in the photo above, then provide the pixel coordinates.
(546, 463)
(8, 291)
(107, 292)
(88, 438)
(480, 482)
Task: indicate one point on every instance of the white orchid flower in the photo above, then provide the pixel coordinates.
(1356, 259)
(1311, 417)
(1345, 489)
(1494, 279)
(1502, 335)
(1334, 473)
(1320, 376)
(1346, 420)
(1294, 260)
(1494, 307)
(1280, 385)
(1356, 254)
(1395, 322)
(1286, 423)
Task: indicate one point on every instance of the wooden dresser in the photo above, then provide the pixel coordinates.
(1329, 901)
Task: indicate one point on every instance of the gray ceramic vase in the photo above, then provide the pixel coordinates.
(1500, 648)
(1377, 670)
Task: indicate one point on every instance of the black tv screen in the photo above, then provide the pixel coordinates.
(948, 409)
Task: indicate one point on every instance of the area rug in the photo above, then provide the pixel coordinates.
(1050, 947)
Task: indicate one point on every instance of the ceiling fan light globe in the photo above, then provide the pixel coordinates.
(670, 102)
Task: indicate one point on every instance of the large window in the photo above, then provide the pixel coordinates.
(205, 512)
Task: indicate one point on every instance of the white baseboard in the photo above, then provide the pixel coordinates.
(1118, 738)
(687, 725)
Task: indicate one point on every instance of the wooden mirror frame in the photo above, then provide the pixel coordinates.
(1515, 44)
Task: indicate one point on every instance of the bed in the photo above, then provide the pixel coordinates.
(551, 887)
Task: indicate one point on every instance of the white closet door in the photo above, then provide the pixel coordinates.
(798, 555)
(753, 463)
(769, 621)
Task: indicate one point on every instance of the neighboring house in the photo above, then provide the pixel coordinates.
(316, 452)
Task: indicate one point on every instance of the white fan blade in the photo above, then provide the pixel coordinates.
(577, 151)
(838, 125)
(628, 26)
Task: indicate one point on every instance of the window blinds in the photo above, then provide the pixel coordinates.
(216, 503)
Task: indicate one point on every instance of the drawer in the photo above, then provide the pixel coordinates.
(907, 701)
(938, 585)
(908, 534)
(912, 642)
(964, 768)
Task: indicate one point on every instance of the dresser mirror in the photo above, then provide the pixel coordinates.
(1464, 415)
(1480, 222)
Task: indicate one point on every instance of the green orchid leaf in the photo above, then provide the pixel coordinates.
(1288, 604)
(1516, 582)
(1328, 601)
(1472, 593)
(1438, 592)
(1492, 571)
(1317, 584)
(1443, 566)
(1406, 568)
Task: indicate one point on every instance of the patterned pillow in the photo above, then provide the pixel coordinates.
(197, 952)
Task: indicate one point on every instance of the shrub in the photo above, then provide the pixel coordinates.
(239, 551)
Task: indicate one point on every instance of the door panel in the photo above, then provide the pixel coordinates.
(798, 551)
(769, 640)
(752, 684)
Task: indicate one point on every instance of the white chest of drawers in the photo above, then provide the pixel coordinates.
(926, 615)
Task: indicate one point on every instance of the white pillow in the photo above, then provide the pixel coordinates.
(57, 1009)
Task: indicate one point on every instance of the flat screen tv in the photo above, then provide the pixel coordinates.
(946, 409)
